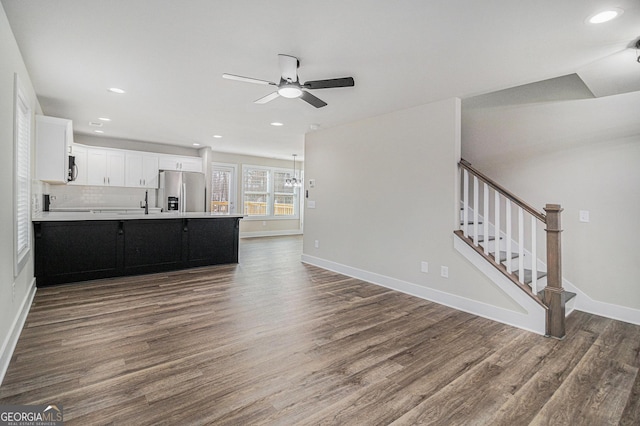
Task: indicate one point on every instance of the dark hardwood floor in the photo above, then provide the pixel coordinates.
(275, 341)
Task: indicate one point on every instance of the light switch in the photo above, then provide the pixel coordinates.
(311, 204)
(584, 216)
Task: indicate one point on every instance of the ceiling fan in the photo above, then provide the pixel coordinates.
(289, 85)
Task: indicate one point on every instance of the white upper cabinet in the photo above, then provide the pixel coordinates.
(53, 139)
(180, 163)
(98, 166)
(105, 167)
(141, 170)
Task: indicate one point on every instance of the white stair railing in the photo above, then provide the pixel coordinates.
(514, 242)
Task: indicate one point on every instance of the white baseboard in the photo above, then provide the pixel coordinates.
(270, 233)
(9, 344)
(505, 316)
(585, 303)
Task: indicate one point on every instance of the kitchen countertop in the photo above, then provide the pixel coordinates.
(103, 209)
(75, 216)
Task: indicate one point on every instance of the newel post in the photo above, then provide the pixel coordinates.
(554, 296)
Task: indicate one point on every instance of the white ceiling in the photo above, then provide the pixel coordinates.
(170, 56)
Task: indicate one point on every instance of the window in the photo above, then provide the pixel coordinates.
(284, 197)
(264, 193)
(22, 165)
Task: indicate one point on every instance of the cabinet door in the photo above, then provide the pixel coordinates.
(191, 164)
(133, 175)
(96, 167)
(150, 171)
(52, 148)
(80, 152)
(169, 163)
(115, 168)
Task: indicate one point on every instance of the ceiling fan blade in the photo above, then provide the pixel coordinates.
(288, 67)
(247, 79)
(268, 98)
(313, 100)
(327, 84)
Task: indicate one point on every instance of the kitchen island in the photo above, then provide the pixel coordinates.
(80, 246)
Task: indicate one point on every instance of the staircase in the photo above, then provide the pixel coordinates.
(505, 231)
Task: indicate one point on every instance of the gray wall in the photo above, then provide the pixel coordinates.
(10, 305)
(583, 154)
(386, 199)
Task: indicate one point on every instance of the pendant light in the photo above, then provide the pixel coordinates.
(292, 181)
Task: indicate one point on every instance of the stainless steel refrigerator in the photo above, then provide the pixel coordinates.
(181, 192)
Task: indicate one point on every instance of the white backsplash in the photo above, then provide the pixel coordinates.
(98, 196)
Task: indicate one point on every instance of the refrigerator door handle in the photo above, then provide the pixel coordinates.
(184, 198)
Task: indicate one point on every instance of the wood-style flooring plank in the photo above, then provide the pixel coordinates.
(272, 341)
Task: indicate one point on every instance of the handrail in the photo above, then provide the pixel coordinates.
(539, 215)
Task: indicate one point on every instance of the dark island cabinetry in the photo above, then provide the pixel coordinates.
(80, 250)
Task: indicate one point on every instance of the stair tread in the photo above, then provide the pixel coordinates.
(568, 295)
(528, 276)
(503, 255)
(481, 238)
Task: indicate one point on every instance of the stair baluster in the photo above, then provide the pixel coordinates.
(525, 249)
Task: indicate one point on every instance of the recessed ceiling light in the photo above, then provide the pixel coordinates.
(104, 119)
(217, 136)
(95, 124)
(275, 123)
(116, 90)
(196, 144)
(604, 16)
(98, 131)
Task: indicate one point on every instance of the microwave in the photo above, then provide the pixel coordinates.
(73, 169)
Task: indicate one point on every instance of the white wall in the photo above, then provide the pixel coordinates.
(386, 199)
(585, 155)
(11, 305)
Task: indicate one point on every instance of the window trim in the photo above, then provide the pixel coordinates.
(270, 194)
(21, 187)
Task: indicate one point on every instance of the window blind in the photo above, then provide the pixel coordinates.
(22, 135)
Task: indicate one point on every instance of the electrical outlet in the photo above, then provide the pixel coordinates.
(317, 244)
(264, 223)
(424, 267)
(444, 271)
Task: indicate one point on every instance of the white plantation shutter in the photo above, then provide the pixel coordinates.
(22, 136)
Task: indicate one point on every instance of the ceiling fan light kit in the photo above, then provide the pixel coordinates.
(289, 85)
(290, 91)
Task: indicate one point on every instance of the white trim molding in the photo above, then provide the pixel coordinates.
(9, 344)
(585, 303)
(533, 320)
(271, 233)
